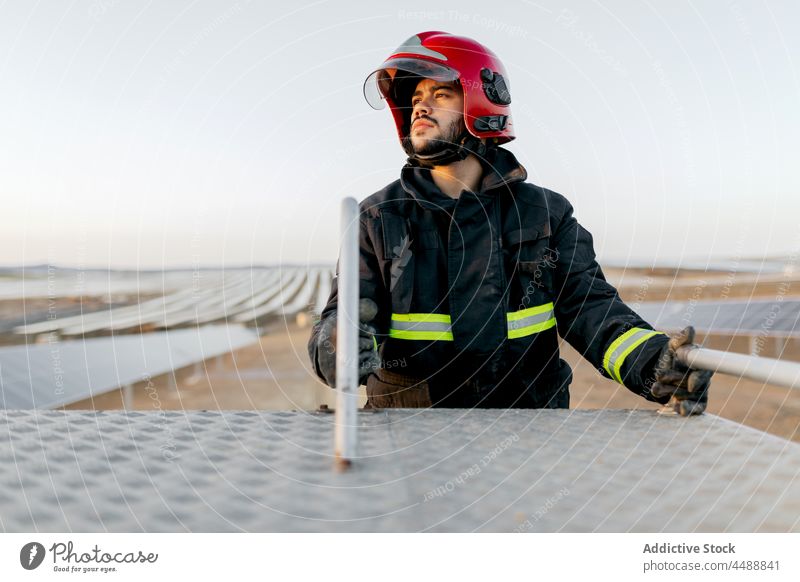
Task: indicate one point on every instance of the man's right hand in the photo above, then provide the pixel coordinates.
(687, 387)
(368, 358)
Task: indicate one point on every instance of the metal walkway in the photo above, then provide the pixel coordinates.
(431, 470)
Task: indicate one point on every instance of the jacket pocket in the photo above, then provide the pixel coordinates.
(551, 389)
(526, 234)
(530, 265)
(389, 390)
(399, 255)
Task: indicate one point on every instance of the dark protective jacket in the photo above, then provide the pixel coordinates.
(474, 292)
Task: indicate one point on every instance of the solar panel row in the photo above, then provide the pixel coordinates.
(60, 372)
(243, 297)
(764, 317)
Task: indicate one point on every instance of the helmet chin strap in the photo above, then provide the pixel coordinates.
(465, 145)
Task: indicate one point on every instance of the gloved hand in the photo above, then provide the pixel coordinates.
(368, 358)
(688, 387)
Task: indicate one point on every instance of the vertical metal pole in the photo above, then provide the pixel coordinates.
(347, 337)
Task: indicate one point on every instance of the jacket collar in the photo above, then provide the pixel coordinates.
(501, 168)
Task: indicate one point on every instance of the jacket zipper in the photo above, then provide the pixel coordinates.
(499, 240)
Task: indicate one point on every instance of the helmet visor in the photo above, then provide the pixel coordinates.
(380, 84)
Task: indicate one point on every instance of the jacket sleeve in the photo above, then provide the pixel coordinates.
(591, 316)
(370, 285)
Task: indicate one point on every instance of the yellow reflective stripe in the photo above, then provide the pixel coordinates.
(422, 317)
(522, 314)
(421, 335)
(421, 326)
(437, 326)
(621, 347)
(529, 321)
(531, 329)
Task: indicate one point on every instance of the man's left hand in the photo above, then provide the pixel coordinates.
(687, 386)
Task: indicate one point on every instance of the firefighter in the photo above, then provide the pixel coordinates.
(469, 273)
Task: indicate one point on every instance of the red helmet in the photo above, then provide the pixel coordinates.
(445, 57)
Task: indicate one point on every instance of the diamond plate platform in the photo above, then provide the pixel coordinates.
(429, 470)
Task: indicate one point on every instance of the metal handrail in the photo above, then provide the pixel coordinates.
(765, 370)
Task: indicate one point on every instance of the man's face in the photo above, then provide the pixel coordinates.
(437, 118)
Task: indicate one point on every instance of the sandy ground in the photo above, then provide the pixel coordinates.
(275, 375)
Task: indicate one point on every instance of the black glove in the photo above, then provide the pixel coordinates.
(688, 387)
(368, 358)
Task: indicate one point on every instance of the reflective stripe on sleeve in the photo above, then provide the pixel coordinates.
(421, 326)
(621, 347)
(531, 320)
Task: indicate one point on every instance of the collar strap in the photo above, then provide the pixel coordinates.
(466, 145)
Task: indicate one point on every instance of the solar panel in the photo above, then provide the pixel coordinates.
(60, 372)
(240, 295)
(63, 282)
(292, 282)
(763, 317)
(303, 298)
(233, 301)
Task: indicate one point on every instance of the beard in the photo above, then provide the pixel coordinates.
(450, 136)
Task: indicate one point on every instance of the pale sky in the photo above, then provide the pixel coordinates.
(150, 134)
